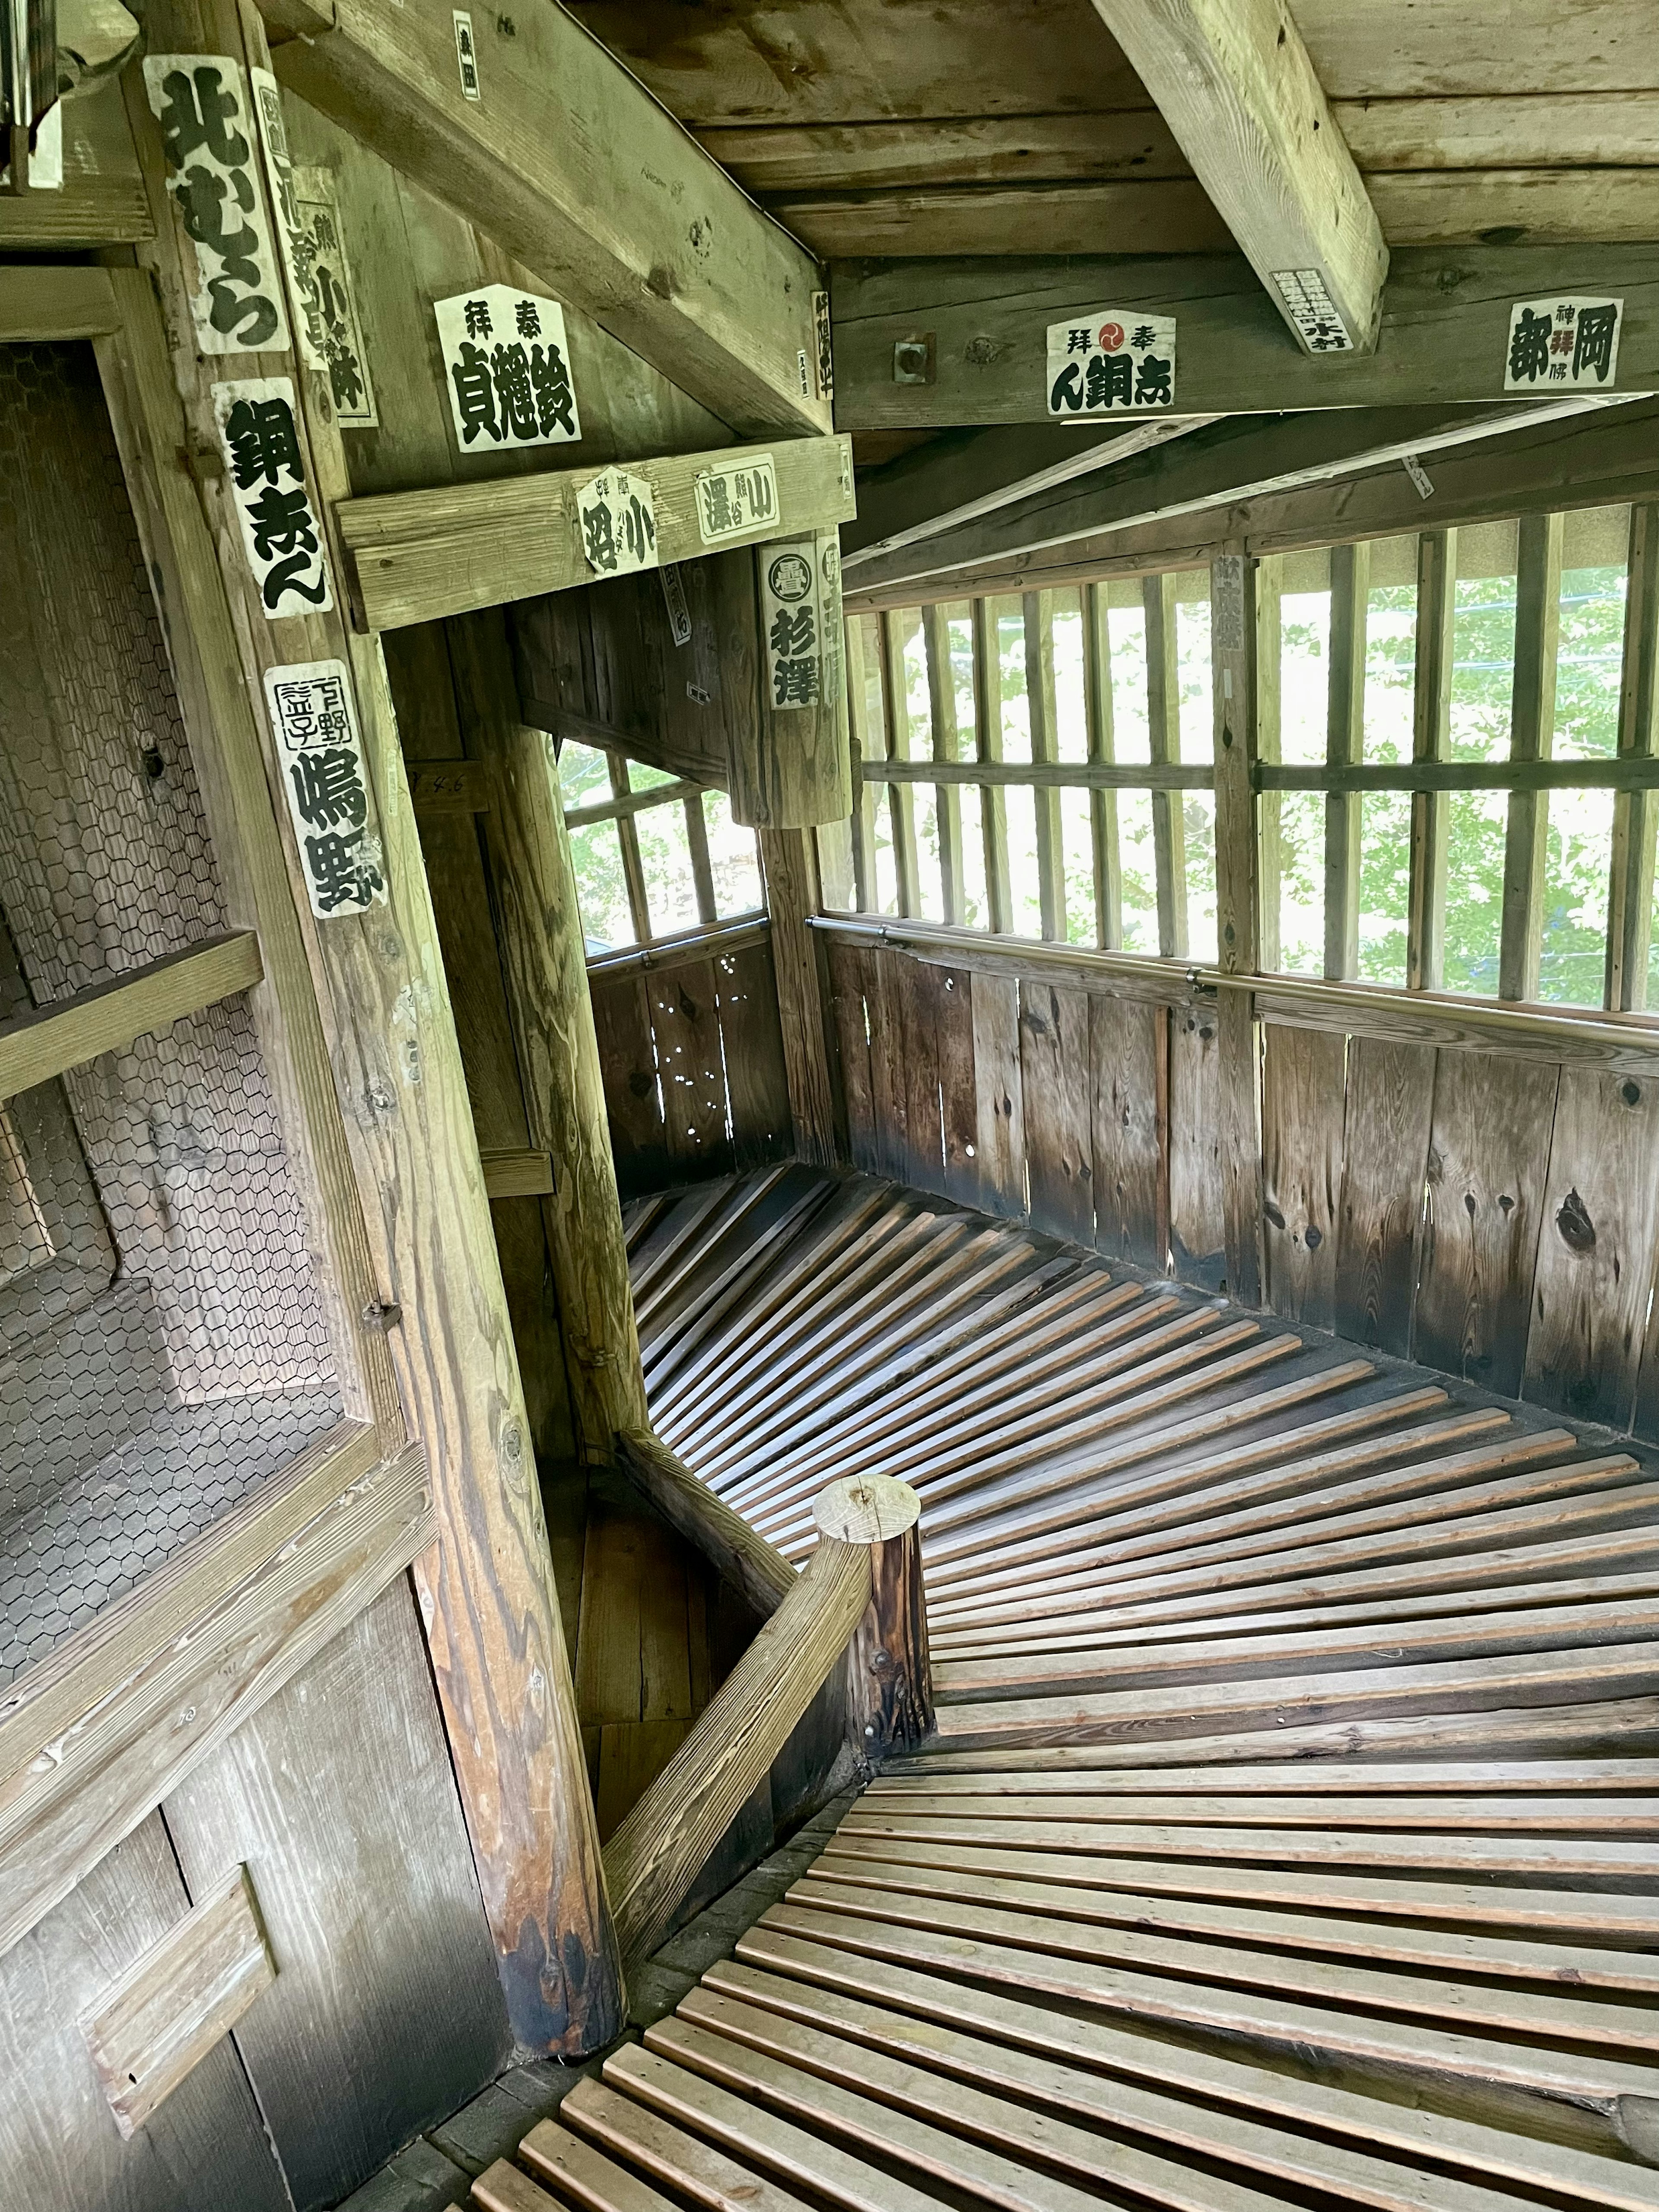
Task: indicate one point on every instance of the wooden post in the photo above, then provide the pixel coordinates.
(890, 1691)
(544, 961)
(988, 747)
(863, 805)
(1532, 736)
(1269, 573)
(1234, 661)
(1164, 746)
(1102, 751)
(901, 796)
(1630, 898)
(1039, 611)
(1344, 724)
(1425, 921)
(486, 1589)
(947, 797)
(789, 859)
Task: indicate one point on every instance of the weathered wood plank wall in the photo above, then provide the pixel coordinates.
(692, 1053)
(1493, 1216)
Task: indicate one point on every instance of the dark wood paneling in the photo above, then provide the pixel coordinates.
(1302, 1119)
(1129, 1082)
(1197, 1229)
(958, 1094)
(1390, 1105)
(386, 2012)
(1000, 1114)
(751, 1039)
(685, 1023)
(632, 1099)
(849, 981)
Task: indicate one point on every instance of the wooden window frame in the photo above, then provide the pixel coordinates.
(624, 807)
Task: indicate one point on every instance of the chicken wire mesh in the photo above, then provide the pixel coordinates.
(163, 1346)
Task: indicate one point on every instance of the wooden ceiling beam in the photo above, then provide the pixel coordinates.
(563, 159)
(1232, 80)
(967, 474)
(1444, 338)
(1238, 457)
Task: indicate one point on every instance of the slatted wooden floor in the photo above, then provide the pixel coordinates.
(1289, 1835)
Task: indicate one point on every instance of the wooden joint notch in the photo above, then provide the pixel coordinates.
(176, 2000)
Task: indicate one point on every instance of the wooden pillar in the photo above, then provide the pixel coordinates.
(1425, 919)
(901, 796)
(1344, 726)
(1630, 897)
(789, 859)
(1102, 752)
(1532, 737)
(947, 797)
(988, 748)
(1235, 660)
(890, 1691)
(544, 960)
(486, 1589)
(1039, 611)
(1268, 585)
(1164, 747)
(863, 806)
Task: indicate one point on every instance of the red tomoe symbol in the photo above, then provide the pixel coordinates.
(1111, 337)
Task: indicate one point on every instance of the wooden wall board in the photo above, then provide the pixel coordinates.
(1385, 1150)
(685, 1023)
(958, 1090)
(1595, 1247)
(751, 1041)
(1197, 1231)
(1488, 1161)
(59, 2148)
(1054, 1084)
(848, 983)
(639, 1144)
(1128, 1062)
(1302, 1106)
(1000, 1097)
(339, 1798)
(919, 989)
(101, 200)
(889, 1085)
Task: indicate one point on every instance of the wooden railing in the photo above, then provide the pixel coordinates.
(859, 1595)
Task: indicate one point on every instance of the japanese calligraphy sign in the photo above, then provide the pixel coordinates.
(792, 617)
(507, 369)
(331, 302)
(273, 505)
(207, 132)
(826, 360)
(466, 54)
(617, 514)
(1110, 360)
(1312, 311)
(733, 501)
(1570, 346)
(279, 175)
(314, 722)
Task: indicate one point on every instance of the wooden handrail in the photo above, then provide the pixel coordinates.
(655, 1856)
(45, 1040)
(725, 1540)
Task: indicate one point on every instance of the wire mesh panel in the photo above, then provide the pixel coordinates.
(162, 1346)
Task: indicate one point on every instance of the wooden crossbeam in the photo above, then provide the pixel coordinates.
(105, 1016)
(660, 247)
(1442, 339)
(420, 555)
(1233, 80)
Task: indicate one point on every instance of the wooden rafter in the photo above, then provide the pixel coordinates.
(1234, 83)
(568, 163)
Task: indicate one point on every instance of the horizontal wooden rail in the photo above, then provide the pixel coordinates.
(859, 1595)
(419, 555)
(677, 951)
(725, 1540)
(631, 802)
(96, 1736)
(1085, 776)
(1625, 1044)
(1631, 773)
(36, 1045)
(43, 302)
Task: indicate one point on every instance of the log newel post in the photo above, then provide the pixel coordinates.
(890, 1694)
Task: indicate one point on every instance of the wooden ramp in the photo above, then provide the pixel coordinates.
(1288, 1837)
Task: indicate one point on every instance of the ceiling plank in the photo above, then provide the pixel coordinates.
(567, 162)
(1232, 80)
(966, 474)
(1444, 338)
